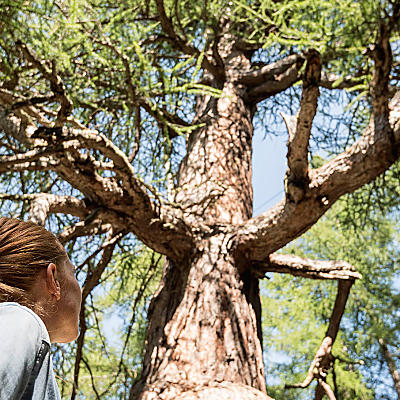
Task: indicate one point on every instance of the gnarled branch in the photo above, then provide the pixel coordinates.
(306, 268)
(297, 179)
(366, 159)
(323, 358)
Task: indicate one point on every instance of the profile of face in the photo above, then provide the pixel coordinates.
(59, 293)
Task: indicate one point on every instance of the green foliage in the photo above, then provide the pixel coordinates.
(122, 77)
(296, 323)
(116, 325)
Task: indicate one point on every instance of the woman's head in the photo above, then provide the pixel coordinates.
(35, 271)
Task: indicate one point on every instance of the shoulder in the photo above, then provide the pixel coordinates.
(22, 335)
(17, 320)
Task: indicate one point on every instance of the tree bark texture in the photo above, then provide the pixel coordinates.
(204, 333)
(205, 319)
(203, 327)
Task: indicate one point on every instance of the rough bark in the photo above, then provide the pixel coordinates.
(204, 324)
(366, 159)
(204, 333)
(202, 329)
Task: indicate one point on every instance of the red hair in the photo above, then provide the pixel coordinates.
(25, 250)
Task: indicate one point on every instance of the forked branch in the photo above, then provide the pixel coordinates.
(322, 361)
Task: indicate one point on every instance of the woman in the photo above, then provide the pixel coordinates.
(40, 300)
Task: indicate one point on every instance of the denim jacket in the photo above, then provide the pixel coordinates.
(26, 370)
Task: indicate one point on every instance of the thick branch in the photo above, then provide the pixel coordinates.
(269, 72)
(278, 83)
(306, 268)
(366, 159)
(297, 179)
(123, 194)
(323, 358)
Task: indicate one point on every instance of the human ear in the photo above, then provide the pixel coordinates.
(53, 286)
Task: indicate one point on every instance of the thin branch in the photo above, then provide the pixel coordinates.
(42, 204)
(93, 276)
(182, 45)
(322, 361)
(394, 372)
(79, 350)
(56, 83)
(91, 281)
(91, 378)
(334, 81)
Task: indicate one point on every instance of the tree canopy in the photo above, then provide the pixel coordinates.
(127, 129)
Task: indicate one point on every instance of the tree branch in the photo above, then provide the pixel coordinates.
(323, 359)
(306, 268)
(42, 204)
(266, 73)
(333, 81)
(278, 83)
(123, 194)
(394, 372)
(366, 159)
(297, 178)
(182, 45)
(56, 83)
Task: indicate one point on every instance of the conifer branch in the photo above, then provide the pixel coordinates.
(322, 361)
(180, 44)
(306, 268)
(43, 204)
(268, 72)
(297, 179)
(367, 158)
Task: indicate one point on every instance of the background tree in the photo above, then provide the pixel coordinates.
(134, 122)
(358, 365)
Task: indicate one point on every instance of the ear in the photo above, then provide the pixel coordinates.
(53, 286)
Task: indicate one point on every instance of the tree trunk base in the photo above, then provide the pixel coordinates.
(217, 391)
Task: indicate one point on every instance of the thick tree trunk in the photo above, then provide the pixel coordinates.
(204, 322)
(203, 327)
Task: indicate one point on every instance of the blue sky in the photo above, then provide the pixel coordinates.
(269, 167)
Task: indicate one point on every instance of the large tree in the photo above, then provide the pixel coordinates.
(138, 117)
